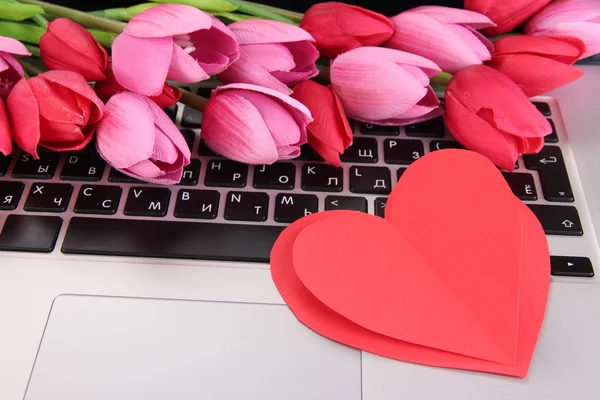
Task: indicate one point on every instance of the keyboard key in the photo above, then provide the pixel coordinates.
(83, 167)
(170, 239)
(4, 163)
(96, 199)
(571, 266)
(544, 108)
(558, 220)
(380, 203)
(363, 150)
(374, 180)
(553, 174)
(290, 207)
(444, 144)
(553, 137)
(400, 172)
(247, 206)
(402, 151)
(10, 194)
(191, 173)
(322, 178)
(200, 204)
(522, 185)
(204, 150)
(35, 233)
(189, 137)
(345, 203)
(117, 176)
(434, 128)
(191, 118)
(308, 154)
(226, 173)
(171, 112)
(147, 201)
(278, 176)
(379, 130)
(48, 197)
(29, 168)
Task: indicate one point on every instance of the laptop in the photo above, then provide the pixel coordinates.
(116, 289)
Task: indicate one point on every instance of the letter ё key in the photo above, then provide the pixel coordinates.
(553, 174)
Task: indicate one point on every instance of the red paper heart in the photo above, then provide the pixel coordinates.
(532, 288)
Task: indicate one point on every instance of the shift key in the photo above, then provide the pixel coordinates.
(558, 220)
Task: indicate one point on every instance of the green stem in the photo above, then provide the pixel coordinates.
(193, 100)
(81, 17)
(104, 38)
(34, 50)
(23, 32)
(293, 15)
(251, 9)
(443, 78)
(30, 69)
(204, 5)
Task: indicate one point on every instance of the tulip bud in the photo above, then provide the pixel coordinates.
(68, 46)
(500, 126)
(254, 125)
(5, 135)
(339, 27)
(10, 70)
(506, 14)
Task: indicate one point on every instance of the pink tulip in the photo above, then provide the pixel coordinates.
(576, 18)
(272, 54)
(10, 70)
(5, 136)
(392, 91)
(138, 138)
(446, 36)
(254, 125)
(171, 41)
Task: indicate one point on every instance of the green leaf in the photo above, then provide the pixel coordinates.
(234, 16)
(135, 10)
(251, 9)
(18, 12)
(205, 5)
(21, 31)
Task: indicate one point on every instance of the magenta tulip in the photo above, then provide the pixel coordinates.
(444, 35)
(171, 41)
(254, 125)
(10, 70)
(6, 143)
(392, 91)
(138, 138)
(576, 18)
(272, 54)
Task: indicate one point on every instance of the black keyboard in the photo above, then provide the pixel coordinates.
(224, 210)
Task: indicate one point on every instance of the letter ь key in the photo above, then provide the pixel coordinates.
(147, 201)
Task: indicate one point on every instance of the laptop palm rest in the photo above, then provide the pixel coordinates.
(127, 348)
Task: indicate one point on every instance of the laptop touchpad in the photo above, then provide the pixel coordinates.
(124, 348)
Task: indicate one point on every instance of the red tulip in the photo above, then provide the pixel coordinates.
(488, 113)
(109, 87)
(506, 14)
(57, 110)
(5, 136)
(329, 134)
(68, 46)
(538, 64)
(338, 27)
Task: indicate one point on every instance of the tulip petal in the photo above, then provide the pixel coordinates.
(566, 50)
(55, 102)
(589, 32)
(305, 54)
(167, 20)
(145, 170)
(535, 75)
(12, 63)
(330, 155)
(163, 149)
(449, 15)
(400, 121)
(426, 105)
(265, 31)
(126, 112)
(53, 131)
(6, 143)
(216, 48)
(473, 40)
(271, 56)
(564, 11)
(151, 57)
(13, 46)
(184, 68)
(24, 117)
(397, 56)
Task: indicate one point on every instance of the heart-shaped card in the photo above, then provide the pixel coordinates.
(456, 275)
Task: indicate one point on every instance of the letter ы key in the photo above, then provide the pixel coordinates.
(10, 194)
(226, 173)
(290, 207)
(247, 206)
(29, 168)
(96, 199)
(191, 174)
(370, 180)
(199, 204)
(48, 197)
(83, 167)
(363, 150)
(322, 178)
(345, 203)
(147, 201)
(402, 151)
(278, 176)
(553, 174)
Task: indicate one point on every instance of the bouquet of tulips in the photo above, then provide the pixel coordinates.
(281, 79)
